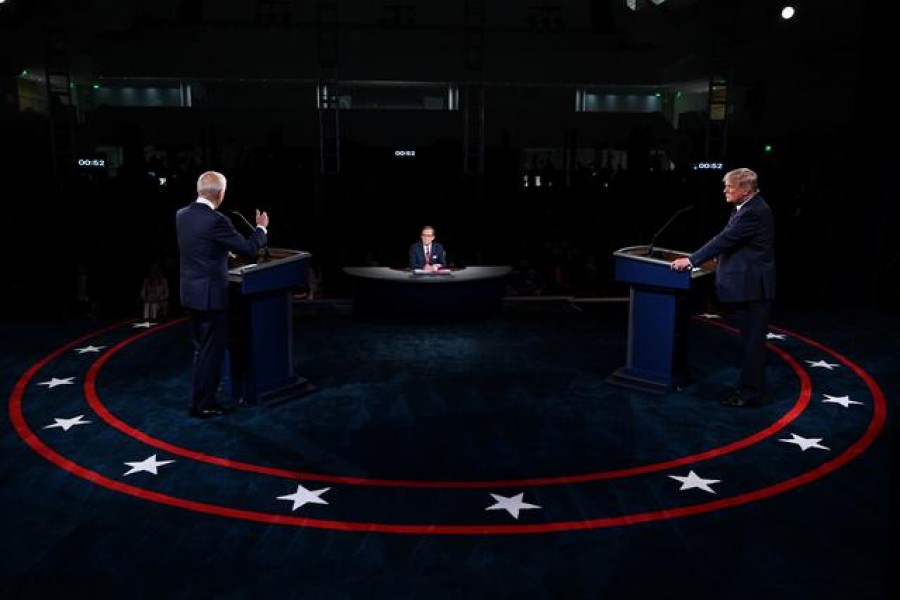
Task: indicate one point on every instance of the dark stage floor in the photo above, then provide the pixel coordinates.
(469, 458)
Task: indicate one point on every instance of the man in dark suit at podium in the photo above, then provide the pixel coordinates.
(745, 276)
(427, 254)
(205, 237)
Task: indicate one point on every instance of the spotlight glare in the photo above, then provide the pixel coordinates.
(787, 12)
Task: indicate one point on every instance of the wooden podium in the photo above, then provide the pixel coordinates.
(657, 318)
(261, 367)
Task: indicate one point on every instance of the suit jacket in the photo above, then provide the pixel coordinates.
(204, 238)
(745, 248)
(417, 255)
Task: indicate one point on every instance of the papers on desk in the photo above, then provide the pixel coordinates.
(240, 269)
(429, 272)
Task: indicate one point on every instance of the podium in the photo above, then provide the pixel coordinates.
(261, 368)
(657, 318)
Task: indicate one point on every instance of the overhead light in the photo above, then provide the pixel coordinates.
(639, 4)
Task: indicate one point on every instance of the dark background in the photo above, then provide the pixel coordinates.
(815, 90)
(810, 89)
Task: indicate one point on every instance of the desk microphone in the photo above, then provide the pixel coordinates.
(677, 214)
(253, 229)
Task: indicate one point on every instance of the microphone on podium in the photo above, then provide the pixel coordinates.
(665, 226)
(243, 219)
(252, 228)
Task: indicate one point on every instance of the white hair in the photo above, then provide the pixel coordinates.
(211, 182)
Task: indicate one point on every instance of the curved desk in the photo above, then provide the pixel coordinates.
(468, 291)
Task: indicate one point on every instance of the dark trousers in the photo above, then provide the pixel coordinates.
(209, 333)
(754, 322)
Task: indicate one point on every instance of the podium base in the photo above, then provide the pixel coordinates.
(295, 388)
(284, 393)
(623, 378)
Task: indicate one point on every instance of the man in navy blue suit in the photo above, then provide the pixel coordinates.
(205, 237)
(745, 276)
(427, 254)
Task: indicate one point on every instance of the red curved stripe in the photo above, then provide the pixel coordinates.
(874, 428)
(97, 405)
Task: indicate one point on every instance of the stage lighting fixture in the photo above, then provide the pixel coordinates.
(639, 4)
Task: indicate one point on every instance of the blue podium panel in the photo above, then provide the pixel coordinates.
(261, 339)
(275, 275)
(656, 317)
(651, 341)
(650, 271)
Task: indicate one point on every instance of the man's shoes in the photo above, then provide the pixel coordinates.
(215, 410)
(736, 401)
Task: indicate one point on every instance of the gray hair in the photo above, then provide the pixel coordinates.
(211, 183)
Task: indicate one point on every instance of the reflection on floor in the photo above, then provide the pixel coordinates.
(452, 458)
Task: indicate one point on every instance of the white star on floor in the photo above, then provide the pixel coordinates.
(775, 336)
(56, 381)
(692, 480)
(710, 316)
(89, 349)
(67, 424)
(805, 443)
(823, 364)
(511, 504)
(304, 496)
(149, 465)
(844, 401)
(145, 325)
(86, 349)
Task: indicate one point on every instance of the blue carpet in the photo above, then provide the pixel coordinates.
(473, 458)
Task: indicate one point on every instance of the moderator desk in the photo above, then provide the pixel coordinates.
(476, 290)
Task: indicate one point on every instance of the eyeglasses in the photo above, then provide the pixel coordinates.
(427, 235)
